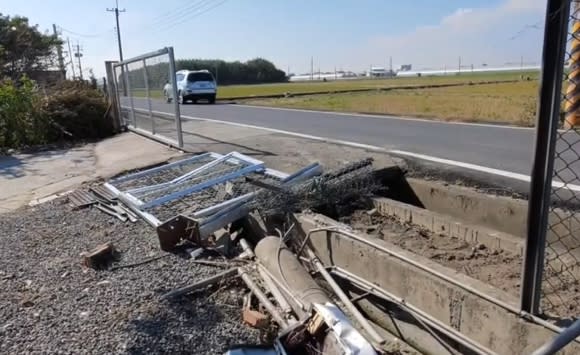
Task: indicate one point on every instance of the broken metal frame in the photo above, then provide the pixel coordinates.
(139, 207)
(198, 228)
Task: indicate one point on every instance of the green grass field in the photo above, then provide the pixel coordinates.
(509, 103)
(231, 91)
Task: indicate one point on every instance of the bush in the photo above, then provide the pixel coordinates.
(21, 121)
(70, 111)
(77, 111)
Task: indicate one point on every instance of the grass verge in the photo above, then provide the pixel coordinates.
(506, 103)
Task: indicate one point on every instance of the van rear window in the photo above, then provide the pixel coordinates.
(193, 77)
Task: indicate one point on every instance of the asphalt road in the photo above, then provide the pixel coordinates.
(498, 147)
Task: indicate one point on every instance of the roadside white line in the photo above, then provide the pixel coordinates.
(290, 133)
(508, 174)
(484, 169)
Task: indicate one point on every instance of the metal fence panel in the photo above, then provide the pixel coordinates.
(141, 87)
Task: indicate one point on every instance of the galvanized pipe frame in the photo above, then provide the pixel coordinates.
(124, 65)
(183, 177)
(137, 206)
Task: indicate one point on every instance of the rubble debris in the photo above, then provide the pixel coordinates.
(103, 193)
(255, 319)
(276, 316)
(222, 276)
(81, 199)
(99, 257)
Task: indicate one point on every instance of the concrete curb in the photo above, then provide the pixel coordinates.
(448, 226)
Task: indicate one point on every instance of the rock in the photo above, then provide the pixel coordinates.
(99, 257)
(255, 319)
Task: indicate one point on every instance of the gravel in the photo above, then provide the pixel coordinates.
(50, 304)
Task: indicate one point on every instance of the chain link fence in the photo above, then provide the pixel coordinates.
(560, 286)
(551, 275)
(142, 85)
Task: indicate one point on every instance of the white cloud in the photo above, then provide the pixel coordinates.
(478, 35)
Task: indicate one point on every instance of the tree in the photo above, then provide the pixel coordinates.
(23, 48)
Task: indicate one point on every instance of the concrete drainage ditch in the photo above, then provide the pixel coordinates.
(425, 268)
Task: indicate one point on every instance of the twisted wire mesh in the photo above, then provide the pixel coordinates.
(333, 191)
(560, 284)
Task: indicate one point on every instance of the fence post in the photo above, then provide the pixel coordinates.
(111, 90)
(175, 100)
(548, 113)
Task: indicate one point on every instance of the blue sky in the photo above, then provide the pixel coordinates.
(346, 34)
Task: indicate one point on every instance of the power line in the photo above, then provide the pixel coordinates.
(176, 13)
(83, 34)
(194, 15)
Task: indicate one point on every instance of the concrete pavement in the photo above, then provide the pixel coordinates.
(32, 177)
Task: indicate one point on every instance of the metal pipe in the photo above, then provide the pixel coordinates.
(144, 56)
(201, 284)
(433, 322)
(444, 277)
(275, 291)
(131, 103)
(246, 247)
(146, 78)
(555, 34)
(263, 299)
(345, 299)
(298, 306)
(567, 336)
(172, 72)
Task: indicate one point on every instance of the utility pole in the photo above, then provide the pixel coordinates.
(116, 11)
(459, 68)
(78, 54)
(311, 68)
(72, 63)
(522, 62)
(390, 66)
(61, 66)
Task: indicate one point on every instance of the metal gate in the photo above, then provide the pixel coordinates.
(141, 85)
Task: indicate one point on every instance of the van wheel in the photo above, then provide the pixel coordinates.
(212, 100)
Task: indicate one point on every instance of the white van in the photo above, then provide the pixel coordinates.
(192, 85)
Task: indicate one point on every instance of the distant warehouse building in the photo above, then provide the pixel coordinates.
(380, 72)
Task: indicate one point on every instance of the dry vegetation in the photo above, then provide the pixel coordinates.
(509, 103)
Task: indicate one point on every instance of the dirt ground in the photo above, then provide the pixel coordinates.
(495, 267)
(498, 268)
